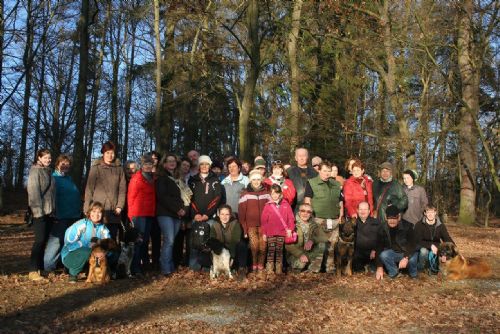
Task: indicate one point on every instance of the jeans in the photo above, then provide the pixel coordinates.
(55, 243)
(423, 258)
(169, 227)
(391, 258)
(141, 255)
(41, 228)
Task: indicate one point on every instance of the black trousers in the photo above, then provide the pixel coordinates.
(41, 227)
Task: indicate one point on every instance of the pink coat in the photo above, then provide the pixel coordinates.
(270, 222)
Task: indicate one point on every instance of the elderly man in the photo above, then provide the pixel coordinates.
(398, 250)
(315, 161)
(301, 173)
(387, 191)
(307, 253)
(323, 193)
(193, 156)
(369, 234)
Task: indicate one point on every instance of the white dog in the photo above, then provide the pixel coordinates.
(221, 259)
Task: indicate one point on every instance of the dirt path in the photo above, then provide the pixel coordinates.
(190, 302)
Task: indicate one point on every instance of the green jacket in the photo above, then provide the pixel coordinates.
(326, 197)
(388, 193)
(315, 233)
(229, 236)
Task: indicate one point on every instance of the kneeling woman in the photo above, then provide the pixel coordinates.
(78, 240)
(228, 230)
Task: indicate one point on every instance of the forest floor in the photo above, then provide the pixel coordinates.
(190, 302)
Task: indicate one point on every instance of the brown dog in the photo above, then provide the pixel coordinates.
(456, 267)
(99, 271)
(344, 248)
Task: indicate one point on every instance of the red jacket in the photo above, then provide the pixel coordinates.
(355, 194)
(287, 187)
(250, 207)
(141, 197)
(271, 221)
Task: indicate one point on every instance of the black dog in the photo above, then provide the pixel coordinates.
(344, 249)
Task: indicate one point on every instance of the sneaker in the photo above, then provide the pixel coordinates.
(72, 279)
(395, 276)
(35, 276)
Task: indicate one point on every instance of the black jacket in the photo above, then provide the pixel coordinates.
(168, 197)
(427, 235)
(404, 238)
(369, 236)
(207, 194)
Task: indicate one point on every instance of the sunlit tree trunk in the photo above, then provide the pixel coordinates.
(158, 112)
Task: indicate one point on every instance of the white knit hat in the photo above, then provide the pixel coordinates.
(204, 159)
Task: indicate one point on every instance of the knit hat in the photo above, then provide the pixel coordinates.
(255, 175)
(385, 165)
(316, 161)
(413, 174)
(204, 159)
(392, 211)
(147, 159)
(259, 163)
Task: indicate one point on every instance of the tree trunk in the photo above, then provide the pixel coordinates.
(115, 59)
(95, 93)
(252, 76)
(78, 152)
(160, 143)
(41, 88)
(469, 66)
(294, 75)
(2, 31)
(27, 94)
(128, 90)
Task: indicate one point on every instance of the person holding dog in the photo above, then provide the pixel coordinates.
(228, 231)
(429, 233)
(368, 235)
(80, 237)
(307, 252)
(324, 195)
(398, 249)
(277, 222)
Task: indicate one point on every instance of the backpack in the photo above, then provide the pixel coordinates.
(199, 235)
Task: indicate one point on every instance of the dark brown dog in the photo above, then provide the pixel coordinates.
(99, 272)
(455, 267)
(344, 249)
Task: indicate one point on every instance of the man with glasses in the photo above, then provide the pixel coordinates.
(307, 253)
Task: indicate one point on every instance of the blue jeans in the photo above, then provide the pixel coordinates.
(423, 258)
(169, 227)
(55, 243)
(141, 254)
(391, 259)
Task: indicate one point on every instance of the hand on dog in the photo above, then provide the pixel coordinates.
(372, 254)
(434, 249)
(181, 213)
(308, 245)
(403, 263)
(303, 258)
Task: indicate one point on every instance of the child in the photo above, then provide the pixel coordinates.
(277, 222)
(429, 233)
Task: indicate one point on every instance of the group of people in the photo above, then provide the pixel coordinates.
(272, 218)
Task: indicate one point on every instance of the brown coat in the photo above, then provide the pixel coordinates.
(106, 184)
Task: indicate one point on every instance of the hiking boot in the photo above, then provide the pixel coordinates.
(279, 268)
(270, 268)
(35, 276)
(72, 279)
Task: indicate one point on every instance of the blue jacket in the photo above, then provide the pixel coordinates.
(79, 235)
(68, 201)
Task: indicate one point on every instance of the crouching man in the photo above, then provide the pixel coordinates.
(307, 252)
(369, 234)
(399, 248)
